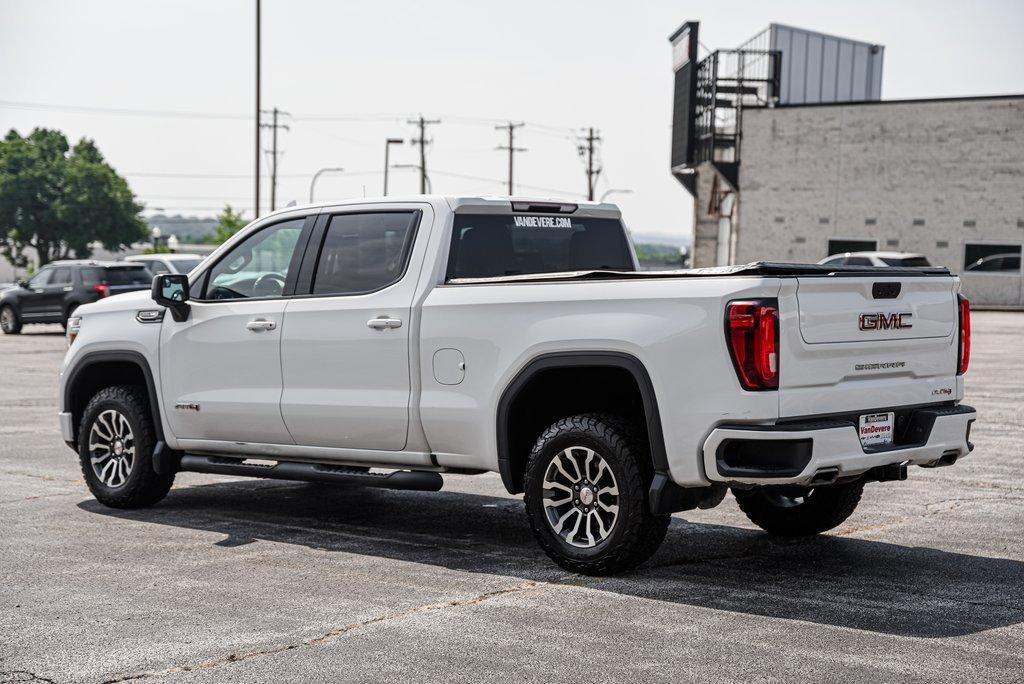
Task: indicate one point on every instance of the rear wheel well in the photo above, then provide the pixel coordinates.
(553, 388)
(94, 376)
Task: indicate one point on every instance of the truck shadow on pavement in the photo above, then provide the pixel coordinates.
(853, 583)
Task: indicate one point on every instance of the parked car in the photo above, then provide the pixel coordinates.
(167, 263)
(904, 259)
(466, 335)
(60, 287)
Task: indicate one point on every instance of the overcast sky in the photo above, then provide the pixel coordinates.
(559, 66)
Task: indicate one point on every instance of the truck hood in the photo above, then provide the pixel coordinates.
(140, 299)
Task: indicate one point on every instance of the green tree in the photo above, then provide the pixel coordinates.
(58, 200)
(229, 222)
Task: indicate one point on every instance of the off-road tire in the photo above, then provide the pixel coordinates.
(636, 533)
(823, 509)
(143, 485)
(11, 321)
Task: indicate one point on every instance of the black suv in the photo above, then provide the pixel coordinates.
(62, 286)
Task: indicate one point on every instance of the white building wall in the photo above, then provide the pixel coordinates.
(924, 176)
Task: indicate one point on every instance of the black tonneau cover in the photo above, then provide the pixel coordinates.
(756, 268)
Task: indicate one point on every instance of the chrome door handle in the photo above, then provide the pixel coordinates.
(260, 324)
(384, 323)
(68, 288)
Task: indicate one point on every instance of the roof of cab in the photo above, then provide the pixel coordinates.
(478, 203)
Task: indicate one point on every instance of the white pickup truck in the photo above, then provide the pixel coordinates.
(385, 342)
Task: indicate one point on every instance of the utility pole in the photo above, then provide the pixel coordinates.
(274, 153)
(422, 142)
(388, 142)
(587, 152)
(511, 147)
(256, 151)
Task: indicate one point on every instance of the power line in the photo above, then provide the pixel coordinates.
(560, 131)
(511, 147)
(228, 176)
(497, 181)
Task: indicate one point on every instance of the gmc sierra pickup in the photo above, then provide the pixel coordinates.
(385, 342)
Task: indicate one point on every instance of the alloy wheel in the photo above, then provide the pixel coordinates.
(111, 448)
(581, 497)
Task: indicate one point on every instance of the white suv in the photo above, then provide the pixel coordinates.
(168, 263)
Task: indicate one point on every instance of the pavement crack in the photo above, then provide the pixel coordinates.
(12, 676)
(328, 637)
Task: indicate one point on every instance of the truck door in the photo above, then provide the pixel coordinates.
(221, 369)
(345, 348)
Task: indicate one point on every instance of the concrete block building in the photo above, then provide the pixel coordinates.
(799, 162)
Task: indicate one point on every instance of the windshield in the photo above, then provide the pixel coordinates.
(906, 261)
(185, 265)
(489, 245)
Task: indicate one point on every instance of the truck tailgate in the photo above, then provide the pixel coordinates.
(862, 342)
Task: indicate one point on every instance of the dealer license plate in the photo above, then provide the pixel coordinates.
(876, 429)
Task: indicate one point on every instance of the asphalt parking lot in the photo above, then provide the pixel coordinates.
(242, 580)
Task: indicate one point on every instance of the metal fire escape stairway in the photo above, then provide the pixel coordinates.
(728, 81)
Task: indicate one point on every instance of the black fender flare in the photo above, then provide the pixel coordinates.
(162, 456)
(598, 359)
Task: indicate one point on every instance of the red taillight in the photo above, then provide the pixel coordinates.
(752, 330)
(102, 289)
(964, 358)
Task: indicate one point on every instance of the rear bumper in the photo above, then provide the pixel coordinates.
(823, 450)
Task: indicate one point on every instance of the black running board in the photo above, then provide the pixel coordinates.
(420, 480)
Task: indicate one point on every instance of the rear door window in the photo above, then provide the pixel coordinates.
(61, 276)
(858, 261)
(490, 245)
(364, 252)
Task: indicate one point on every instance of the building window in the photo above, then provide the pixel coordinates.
(840, 246)
(989, 258)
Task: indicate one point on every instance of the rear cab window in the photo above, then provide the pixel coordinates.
(129, 275)
(496, 245)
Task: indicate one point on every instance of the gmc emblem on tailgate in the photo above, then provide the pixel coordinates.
(881, 321)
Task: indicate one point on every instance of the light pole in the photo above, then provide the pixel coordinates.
(426, 179)
(622, 191)
(156, 234)
(312, 183)
(256, 152)
(387, 148)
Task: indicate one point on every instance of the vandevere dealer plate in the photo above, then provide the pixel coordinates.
(876, 429)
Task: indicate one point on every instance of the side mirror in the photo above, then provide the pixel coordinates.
(171, 290)
(23, 284)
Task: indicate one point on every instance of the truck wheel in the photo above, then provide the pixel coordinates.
(799, 511)
(586, 495)
(115, 447)
(9, 321)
